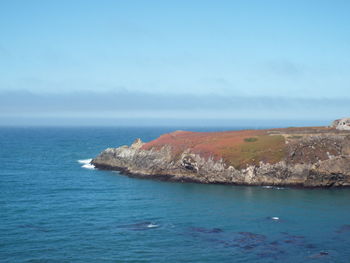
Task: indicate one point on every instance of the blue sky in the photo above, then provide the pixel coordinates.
(174, 59)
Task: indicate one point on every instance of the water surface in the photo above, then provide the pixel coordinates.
(53, 210)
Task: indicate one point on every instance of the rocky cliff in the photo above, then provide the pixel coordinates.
(342, 124)
(306, 157)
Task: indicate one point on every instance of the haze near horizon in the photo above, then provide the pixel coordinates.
(79, 62)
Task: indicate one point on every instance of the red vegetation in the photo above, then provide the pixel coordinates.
(237, 148)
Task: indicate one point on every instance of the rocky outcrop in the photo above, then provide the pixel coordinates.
(342, 124)
(307, 157)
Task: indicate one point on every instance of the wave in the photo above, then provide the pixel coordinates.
(140, 226)
(152, 225)
(85, 161)
(86, 164)
(273, 187)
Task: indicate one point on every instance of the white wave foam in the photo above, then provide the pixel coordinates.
(152, 225)
(275, 218)
(86, 161)
(87, 164)
(273, 187)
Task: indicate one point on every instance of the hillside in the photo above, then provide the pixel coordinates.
(304, 156)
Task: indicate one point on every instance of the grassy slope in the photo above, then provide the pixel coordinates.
(237, 148)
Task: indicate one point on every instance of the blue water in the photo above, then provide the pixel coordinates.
(53, 210)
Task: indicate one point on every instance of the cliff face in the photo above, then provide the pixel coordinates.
(308, 157)
(342, 124)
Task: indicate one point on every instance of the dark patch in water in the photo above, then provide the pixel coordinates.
(258, 244)
(35, 227)
(293, 239)
(268, 255)
(297, 240)
(243, 240)
(274, 243)
(206, 230)
(321, 254)
(297, 237)
(292, 236)
(343, 229)
(310, 246)
(249, 247)
(248, 240)
(249, 236)
(271, 250)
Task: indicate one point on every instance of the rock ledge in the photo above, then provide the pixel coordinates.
(303, 157)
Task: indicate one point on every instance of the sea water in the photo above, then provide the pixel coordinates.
(55, 207)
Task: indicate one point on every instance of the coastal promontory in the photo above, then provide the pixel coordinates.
(300, 156)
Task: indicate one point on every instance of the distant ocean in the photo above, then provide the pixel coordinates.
(54, 207)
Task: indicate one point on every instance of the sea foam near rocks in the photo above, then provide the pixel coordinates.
(273, 187)
(86, 164)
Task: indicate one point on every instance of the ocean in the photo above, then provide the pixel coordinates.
(56, 208)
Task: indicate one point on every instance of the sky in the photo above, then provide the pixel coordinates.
(70, 61)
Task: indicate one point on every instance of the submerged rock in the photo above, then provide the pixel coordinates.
(343, 229)
(306, 157)
(321, 254)
(206, 230)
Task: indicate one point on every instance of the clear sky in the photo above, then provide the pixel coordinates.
(174, 59)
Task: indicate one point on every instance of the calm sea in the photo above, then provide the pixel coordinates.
(54, 210)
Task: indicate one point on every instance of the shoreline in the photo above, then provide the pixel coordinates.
(170, 178)
(301, 157)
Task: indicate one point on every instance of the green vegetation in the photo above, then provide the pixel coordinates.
(251, 139)
(266, 148)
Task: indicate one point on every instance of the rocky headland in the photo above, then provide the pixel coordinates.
(302, 157)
